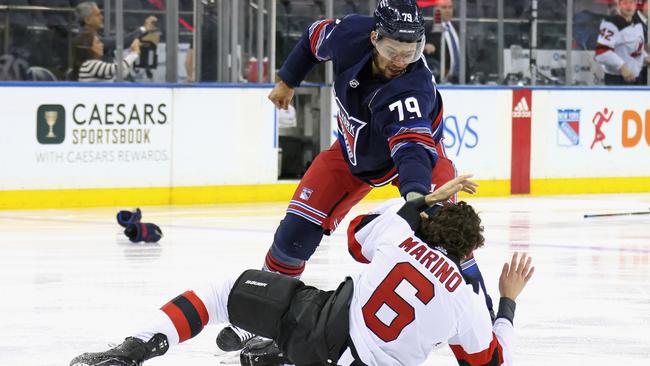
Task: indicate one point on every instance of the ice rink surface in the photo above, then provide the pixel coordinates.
(71, 282)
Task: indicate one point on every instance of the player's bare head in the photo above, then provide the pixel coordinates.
(455, 227)
(398, 36)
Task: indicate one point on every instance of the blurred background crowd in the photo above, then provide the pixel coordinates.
(512, 42)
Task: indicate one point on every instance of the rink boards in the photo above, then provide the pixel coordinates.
(71, 146)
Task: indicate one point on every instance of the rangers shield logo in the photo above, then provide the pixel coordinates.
(568, 125)
(305, 194)
(349, 129)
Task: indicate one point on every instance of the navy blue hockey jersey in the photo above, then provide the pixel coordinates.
(386, 127)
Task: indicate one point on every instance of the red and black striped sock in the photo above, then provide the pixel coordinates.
(272, 264)
(188, 314)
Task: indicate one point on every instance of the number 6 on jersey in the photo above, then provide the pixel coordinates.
(385, 295)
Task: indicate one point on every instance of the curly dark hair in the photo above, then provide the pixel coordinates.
(454, 227)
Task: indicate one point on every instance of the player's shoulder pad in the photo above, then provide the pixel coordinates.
(417, 81)
(355, 24)
(617, 21)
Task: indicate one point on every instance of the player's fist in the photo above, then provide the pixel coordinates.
(515, 276)
(627, 74)
(281, 95)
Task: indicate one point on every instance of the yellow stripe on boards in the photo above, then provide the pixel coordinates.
(132, 197)
(487, 188)
(68, 198)
(233, 194)
(541, 187)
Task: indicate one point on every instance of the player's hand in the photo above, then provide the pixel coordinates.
(445, 191)
(515, 276)
(281, 95)
(646, 60)
(627, 74)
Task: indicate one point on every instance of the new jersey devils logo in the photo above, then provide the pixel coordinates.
(349, 127)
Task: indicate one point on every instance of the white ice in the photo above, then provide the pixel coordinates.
(71, 282)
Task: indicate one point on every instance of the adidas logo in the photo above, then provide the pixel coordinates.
(521, 110)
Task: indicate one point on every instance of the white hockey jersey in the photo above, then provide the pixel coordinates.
(412, 297)
(620, 42)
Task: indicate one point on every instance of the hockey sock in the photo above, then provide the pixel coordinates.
(185, 316)
(188, 314)
(470, 269)
(276, 261)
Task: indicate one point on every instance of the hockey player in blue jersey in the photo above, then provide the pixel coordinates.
(389, 129)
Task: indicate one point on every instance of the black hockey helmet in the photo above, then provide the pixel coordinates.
(400, 20)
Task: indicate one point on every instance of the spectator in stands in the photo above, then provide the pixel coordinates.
(15, 54)
(452, 43)
(88, 50)
(586, 23)
(641, 16)
(621, 46)
(209, 50)
(90, 19)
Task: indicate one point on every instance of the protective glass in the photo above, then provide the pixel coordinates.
(404, 52)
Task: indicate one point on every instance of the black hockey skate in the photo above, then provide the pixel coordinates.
(132, 352)
(262, 352)
(232, 338)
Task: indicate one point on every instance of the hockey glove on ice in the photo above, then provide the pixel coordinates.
(148, 233)
(125, 218)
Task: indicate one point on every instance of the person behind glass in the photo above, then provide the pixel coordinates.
(452, 43)
(90, 19)
(88, 50)
(641, 16)
(621, 46)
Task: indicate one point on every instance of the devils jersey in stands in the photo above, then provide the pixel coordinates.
(620, 42)
(379, 120)
(412, 297)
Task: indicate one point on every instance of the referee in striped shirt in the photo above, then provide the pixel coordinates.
(88, 66)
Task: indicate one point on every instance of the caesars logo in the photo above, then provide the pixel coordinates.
(100, 124)
(113, 124)
(50, 124)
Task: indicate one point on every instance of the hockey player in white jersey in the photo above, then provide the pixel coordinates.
(621, 46)
(410, 297)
